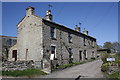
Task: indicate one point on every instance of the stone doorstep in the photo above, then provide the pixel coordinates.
(46, 70)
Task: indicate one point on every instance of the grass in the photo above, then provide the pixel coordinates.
(28, 72)
(114, 76)
(72, 64)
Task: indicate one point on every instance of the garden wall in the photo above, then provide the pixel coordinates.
(17, 65)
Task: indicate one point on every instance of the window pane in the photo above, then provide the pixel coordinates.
(9, 42)
(53, 49)
(69, 37)
(52, 32)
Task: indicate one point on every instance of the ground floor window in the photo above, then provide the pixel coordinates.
(53, 51)
(85, 54)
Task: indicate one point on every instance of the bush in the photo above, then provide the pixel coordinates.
(72, 64)
(76, 63)
(104, 58)
(27, 72)
(93, 58)
(118, 63)
(114, 75)
(105, 67)
(68, 65)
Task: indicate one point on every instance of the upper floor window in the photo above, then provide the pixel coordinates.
(84, 41)
(93, 44)
(60, 35)
(70, 50)
(69, 37)
(53, 34)
(9, 42)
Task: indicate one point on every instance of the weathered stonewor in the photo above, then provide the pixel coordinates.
(17, 65)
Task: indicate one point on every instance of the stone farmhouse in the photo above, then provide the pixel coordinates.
(50, 44)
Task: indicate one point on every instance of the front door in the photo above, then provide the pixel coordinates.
(80, 56)
(14, 54)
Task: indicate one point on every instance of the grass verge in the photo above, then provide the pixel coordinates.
(28, 72)
(72, 64)
(114, 75)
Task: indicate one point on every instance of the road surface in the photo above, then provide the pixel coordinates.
(87, 70)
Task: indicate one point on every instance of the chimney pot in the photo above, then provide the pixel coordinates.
(29, 11)
(48, 15)
(77, 28)
(85, 32)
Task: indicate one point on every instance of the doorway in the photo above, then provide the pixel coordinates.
(14, 54)
(80, 55)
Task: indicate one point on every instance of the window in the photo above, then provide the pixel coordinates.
(84, 41)
(85, 54)
(69, 37)
(80, 55)
(88, 42)
(53, 51)
(93, 54)
(53, 33)
(70, 53)
(9, 42)
(14, 41)
(92, 43)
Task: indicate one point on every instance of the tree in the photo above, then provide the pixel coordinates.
(108, 45)
(116, 47)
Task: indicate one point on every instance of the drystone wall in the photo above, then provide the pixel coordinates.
(17, 65)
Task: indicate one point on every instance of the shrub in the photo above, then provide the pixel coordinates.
(93, 58)
(104, 58)
(114, 75)
(105, 67)
(118, 62)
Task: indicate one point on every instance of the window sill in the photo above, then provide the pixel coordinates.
(70, 42)
(53, 38)
(55, 59)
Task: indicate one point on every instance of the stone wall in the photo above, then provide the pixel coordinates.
(29, 41)
(17, 65)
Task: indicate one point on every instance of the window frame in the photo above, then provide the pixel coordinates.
(53, 32)
(53, 51)
(69, 37)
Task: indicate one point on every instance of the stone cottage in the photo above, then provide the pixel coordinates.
(50, 44)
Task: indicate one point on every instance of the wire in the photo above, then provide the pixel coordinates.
(103, 17)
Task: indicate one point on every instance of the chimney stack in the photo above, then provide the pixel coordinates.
(77, 28)
(48, 15)
(29, 11)
(85, 32)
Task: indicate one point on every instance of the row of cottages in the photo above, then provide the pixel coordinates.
(48, 43)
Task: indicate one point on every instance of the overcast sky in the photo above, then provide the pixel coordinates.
(99, 18)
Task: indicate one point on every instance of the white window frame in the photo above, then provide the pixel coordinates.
(55, 55)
